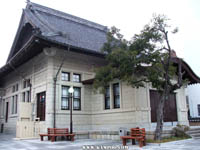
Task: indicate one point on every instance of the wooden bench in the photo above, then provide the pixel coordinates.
(135, 134)
(52, 133)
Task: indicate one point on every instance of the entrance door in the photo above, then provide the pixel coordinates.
(170, 109)
(7, 108)
(41, 98)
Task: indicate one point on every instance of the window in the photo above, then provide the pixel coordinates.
(16, 88)
(14, 104)
(116, 95)
(26, 83)
(77, 98)
(198, 107)
(23, 97)
(107, 98)
(13, 88)
(76, 77)
(65, 98)
(28, 96)
(65, 76)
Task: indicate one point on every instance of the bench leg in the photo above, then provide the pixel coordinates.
(133, 141)
(140, 143)
(72, 138)
(144, 142)
(124, 142)
(52, 138)
(41, 137)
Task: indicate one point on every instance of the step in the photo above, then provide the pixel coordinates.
(195, 135)
(193, 131)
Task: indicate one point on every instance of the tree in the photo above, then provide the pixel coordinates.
(144, 59)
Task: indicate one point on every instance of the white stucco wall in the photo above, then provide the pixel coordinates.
(193, 92)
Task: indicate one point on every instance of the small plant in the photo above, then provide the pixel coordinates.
(179, 131)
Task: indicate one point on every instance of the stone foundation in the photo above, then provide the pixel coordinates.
(114, 135)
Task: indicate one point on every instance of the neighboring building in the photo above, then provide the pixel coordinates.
(193, 100)
(44, 38)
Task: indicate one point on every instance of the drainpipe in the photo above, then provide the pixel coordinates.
(55, 81)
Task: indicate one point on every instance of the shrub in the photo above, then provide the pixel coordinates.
(180, 130)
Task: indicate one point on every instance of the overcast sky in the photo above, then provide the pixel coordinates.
(128, 15)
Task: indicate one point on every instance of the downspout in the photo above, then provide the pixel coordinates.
(55, 81)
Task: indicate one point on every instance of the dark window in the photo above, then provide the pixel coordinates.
(65, 98)
(16, 88)
(13, 104)
(76, 77)
(198, 106)
(28, 82)
(107, 98)
(23, 97)
(116, 95)
(28, 96)
(24, 84)
(13, 88)
(77, 98)
(16, 103)
(65, 76)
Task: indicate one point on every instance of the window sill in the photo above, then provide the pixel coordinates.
(13, 116)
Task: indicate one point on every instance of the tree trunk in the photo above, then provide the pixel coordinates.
(159, 116)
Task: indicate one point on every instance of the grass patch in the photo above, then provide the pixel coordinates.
(167, 139)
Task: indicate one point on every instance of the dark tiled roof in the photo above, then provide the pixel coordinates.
(65, 28)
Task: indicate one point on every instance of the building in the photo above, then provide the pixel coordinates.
(193, 100)
(53, 51)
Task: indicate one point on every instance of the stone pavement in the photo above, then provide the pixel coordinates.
(7, 142)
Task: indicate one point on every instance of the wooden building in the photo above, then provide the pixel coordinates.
(35, 89)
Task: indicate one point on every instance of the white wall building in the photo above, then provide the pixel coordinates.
(193, 94)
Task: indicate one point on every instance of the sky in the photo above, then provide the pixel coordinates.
(129, 16)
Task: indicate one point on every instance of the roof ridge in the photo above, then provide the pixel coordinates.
(64, 15)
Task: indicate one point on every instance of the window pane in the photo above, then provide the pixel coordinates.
(77, 104)
(13, 104)
(65, 76)
(16, 102)
(28, 96)
(107, 92)
(65, 103)
(107, 98)
(16, 89)
(116, 94)
(65, 91)
(76, 78)
(77, 98)
(77, 93)
(107, 103)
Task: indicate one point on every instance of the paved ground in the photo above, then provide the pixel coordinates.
(7, 142)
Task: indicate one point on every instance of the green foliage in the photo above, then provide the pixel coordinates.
(166, 139)
(142, 59)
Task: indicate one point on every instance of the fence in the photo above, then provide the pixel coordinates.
(29, 129)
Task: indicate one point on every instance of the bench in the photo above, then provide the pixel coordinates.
(135, 134)
(52, 133)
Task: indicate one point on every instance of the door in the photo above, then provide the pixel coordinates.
(170, 109)
(41, 102)
(7, 108)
